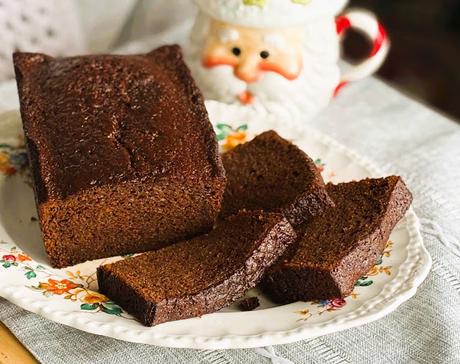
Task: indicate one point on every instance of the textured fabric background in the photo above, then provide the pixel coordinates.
(403, 137)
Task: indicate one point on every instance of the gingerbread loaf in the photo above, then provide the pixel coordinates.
(269, 173)
(123, 156)
(201, 275)
(336, 249)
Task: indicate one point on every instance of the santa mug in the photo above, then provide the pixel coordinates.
(283, 52)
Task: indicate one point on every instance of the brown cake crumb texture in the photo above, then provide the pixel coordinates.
(201, 275)
(337, 248)
(271, 174)
(123, 155)
(248, 304)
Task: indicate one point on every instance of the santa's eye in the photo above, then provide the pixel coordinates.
(264, 54)
(236, 51)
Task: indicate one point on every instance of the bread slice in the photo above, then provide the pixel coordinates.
(271, 174)
(336, 249)
(122, 152)
(201, 275)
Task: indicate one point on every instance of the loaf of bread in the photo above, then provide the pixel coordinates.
(123, 156)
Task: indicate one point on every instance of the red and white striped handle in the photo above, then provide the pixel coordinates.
(368, 24)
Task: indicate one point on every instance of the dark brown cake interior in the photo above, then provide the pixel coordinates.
(337, 248)
(360, 209)
(271, 174)
(123, 155)
(201, 275)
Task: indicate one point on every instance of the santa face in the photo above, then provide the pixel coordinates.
(252, 51)
(229, 63)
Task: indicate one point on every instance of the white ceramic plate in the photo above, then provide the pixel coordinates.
(69, 296)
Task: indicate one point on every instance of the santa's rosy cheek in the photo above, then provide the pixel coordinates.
(274, 67)
(213, 61)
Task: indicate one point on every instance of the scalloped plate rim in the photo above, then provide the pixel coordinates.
(405, 292)
(382, 306)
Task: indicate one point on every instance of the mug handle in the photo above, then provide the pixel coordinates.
(367, 23)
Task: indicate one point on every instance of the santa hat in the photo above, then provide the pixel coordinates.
(270, 13)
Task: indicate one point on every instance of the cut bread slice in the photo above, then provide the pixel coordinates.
(271, 174)
(336, 249)
(201, 275)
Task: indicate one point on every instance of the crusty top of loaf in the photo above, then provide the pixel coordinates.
(104, 119)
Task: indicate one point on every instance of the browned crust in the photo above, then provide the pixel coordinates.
(311, 199)
(370, 249)
(270, 247)
(197, 97)
(288, 282)
(30, 67)
(308, 204)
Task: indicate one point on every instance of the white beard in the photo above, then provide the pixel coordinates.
(306, 95)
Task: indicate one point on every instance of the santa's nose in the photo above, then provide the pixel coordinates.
(248, 67)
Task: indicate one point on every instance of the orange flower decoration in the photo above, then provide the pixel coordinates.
(94, 297)
(379, 269)
(234, 139)
(374, 271)
(58, 287)
(23, 258)
(5, 166)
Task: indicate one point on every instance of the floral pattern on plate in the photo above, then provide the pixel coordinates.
(229, 137)
(74, 287)
(69, 296)
(12, 159)
(330, 305)
(77, 287)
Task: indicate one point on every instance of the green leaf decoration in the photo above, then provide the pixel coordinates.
(30, 274)
(89, 306)
(110, 303)
(364, 283)
(6, 146)
(111, 308)
(6, 264)
(242, 127)
(222, 131)
(40, 267)
(224, 127)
